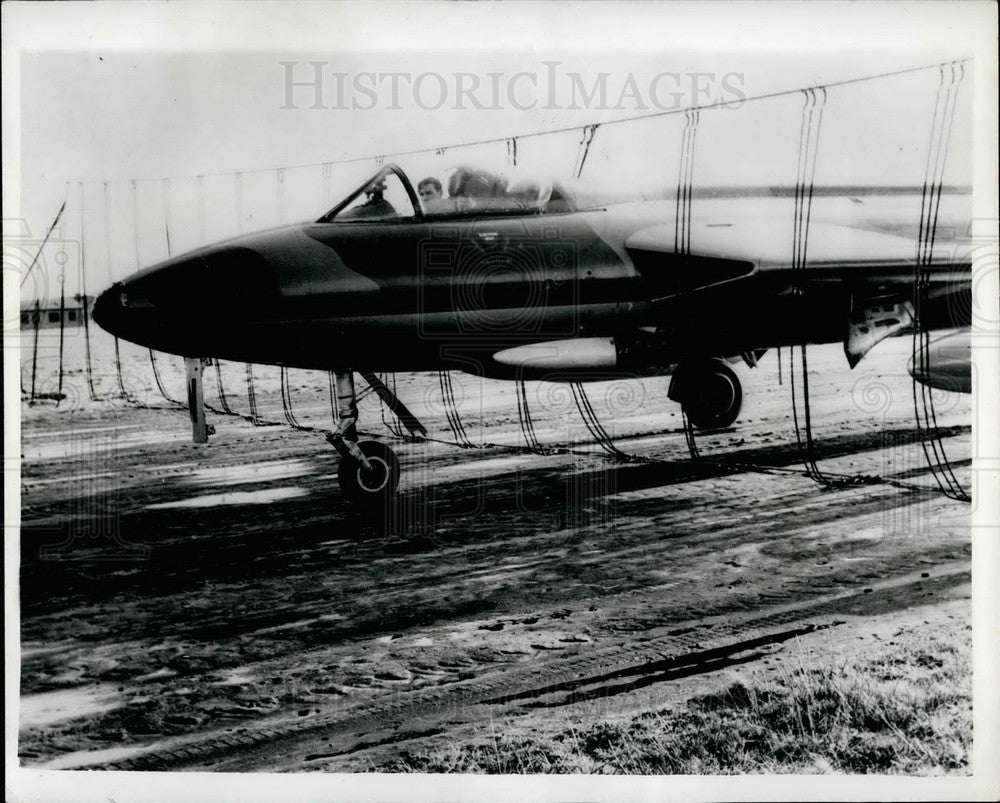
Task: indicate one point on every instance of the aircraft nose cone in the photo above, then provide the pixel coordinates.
(125, 311)
(195, 303)
(108, 312)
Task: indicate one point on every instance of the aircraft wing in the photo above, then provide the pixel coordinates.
(855, 283)
(722, 252)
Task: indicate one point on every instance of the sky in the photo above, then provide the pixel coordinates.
(96, 115)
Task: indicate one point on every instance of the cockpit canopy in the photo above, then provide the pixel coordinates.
(462, 191)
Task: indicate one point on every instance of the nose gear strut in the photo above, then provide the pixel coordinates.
(369, 470)
(345, 437)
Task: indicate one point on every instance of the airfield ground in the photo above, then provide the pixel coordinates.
(221, 607)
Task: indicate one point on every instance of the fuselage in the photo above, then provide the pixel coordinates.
(426, 293)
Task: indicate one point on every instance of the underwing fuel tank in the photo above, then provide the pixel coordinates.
(582, 358)
(578, 354)
(946, 364)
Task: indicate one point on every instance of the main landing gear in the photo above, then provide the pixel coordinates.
(709, 392)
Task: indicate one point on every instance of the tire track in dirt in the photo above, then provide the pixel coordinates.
(683, 650)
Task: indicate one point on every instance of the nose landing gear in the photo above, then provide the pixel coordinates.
(369, 470)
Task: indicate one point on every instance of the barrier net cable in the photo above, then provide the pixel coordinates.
(951, 77)
(593, 423)
(682, 229)
(524, 419)
(451, 410)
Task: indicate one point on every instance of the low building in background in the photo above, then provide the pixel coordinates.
(48, 314)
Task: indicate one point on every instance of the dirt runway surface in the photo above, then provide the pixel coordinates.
(221, 607)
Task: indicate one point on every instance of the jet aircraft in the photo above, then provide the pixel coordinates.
(520, 277)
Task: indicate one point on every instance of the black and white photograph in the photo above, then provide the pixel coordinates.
(501, 401)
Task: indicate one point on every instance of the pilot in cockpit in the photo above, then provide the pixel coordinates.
(429, 190)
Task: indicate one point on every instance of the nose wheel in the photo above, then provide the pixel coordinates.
(373, 484)
(369, 470)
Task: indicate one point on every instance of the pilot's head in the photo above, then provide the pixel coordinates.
(429, 189)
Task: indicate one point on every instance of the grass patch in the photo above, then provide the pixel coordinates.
(907, 711)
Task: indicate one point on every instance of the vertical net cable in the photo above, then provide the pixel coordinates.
(923, 399)
(62, 316)
(89, 364)
(107, 241)
(152, 354)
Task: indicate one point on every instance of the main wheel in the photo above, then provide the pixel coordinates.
(369, 487)
(712, 395)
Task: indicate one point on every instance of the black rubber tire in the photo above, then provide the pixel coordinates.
(713, 396)
(374, 488)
